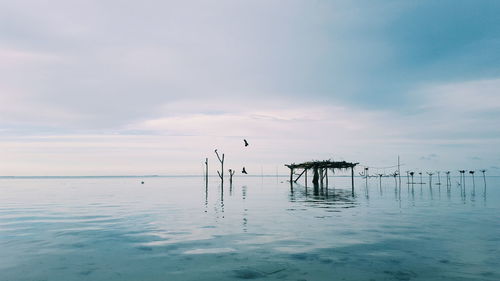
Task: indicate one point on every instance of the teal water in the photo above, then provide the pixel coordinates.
(261, 228)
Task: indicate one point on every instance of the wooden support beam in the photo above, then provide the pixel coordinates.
(291, 175)
(300, 175)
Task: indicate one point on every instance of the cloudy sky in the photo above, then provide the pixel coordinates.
(153, 87)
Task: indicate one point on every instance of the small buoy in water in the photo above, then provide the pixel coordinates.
(142, 182)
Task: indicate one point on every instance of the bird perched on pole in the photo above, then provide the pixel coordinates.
(246, 143)
(244, 171)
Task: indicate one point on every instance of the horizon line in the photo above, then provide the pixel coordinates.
(174, 176)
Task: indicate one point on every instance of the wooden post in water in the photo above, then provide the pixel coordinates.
(399, 172)
(484, 179)
(430, 179)
(221, 173)
(291, 175)
(321, 177)
(462, 178)
(305, 180)
(206, 171)
(326, 177)
(231, 174)
(352, 180)
(412, 182)
(315, 176)
(366, 176)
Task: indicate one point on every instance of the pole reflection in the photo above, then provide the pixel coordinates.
(322, 197)
(338, 198)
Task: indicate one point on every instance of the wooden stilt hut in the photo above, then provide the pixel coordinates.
(320, 169)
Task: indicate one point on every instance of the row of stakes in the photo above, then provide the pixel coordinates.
(412, 174)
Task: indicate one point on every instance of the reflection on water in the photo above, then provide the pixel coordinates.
(322, 197)
(258, 228)
(245, 210)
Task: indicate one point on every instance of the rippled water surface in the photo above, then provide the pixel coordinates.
(261, 228)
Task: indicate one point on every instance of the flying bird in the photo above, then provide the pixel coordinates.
(246, 143)
(244, 171)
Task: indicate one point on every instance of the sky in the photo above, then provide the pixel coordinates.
(153, 87)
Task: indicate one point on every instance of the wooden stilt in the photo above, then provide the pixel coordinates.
(399, 172)
(326, 177)
(305, 179)
(321, 176)
(315, 176)
(352, 179)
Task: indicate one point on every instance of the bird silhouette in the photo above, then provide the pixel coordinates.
(244, 171)
(246, 143)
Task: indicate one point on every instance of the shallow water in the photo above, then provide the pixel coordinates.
(261, 228)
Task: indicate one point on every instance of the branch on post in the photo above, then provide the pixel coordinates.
(221, 160)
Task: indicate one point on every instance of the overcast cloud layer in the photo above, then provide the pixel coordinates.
(153, 87)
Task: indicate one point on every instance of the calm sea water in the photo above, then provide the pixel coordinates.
(173, 229)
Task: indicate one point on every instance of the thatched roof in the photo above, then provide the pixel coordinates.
(322, 164)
